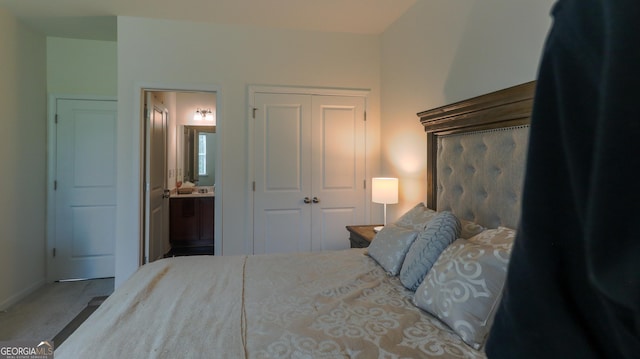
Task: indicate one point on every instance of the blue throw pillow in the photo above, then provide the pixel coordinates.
(439, 233)
(390, 246)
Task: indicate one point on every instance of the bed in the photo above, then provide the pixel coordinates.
(395, 299)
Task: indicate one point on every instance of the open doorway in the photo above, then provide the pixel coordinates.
(180, 172)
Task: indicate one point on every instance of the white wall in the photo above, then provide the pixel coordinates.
(81, 67)
(22, 159)
(189, 102)
(228, 58)
(440, 52)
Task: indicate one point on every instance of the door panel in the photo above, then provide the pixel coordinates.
(282, 173)
(287, 231)
(86, 190)
(91, 226)
(329, 229)
(283, 147)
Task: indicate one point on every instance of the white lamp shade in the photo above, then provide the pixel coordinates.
(384, 190)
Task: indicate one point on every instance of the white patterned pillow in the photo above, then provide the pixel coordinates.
(416, 218)
(498, 237)
(464, 287)
(390, 246)
(440, 232)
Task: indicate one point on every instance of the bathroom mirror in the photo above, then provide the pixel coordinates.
(198, 154)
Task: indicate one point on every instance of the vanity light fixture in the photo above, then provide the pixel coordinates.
(203, 115)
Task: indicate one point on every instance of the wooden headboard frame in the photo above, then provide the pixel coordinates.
(504, 108)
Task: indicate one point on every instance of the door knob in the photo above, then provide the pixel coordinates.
(166, 193)
(307, 200)
(316, 200)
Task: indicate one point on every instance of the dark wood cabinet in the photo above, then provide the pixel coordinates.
(191, 221)
(206, 219)
(361, 236)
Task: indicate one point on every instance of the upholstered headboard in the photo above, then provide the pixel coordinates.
(476, 151)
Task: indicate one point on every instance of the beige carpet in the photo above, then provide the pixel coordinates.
(44, 313)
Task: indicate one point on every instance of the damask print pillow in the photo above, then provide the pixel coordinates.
(464, 287)
(416, 218)
(440, 232)
(390, 246)
(500, 237)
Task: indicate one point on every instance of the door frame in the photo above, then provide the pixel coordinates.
(52, 108)
(325, 91)
(138, 106)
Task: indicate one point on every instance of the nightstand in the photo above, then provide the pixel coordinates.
(361, 236)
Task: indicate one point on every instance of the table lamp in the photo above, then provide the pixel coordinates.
(384, 190)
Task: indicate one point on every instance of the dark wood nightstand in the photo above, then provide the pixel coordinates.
(361, 236)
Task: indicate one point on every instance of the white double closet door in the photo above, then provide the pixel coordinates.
(309, 155)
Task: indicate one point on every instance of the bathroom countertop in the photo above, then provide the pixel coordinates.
(209, 193)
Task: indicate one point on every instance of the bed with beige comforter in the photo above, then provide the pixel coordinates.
(338, 304)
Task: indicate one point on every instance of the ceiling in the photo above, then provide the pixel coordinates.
(96, 19)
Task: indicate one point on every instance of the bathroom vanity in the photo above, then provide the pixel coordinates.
(192, 220)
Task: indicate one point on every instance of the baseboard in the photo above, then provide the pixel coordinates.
(15, 298)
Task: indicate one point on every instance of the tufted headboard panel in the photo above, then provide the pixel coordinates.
(476, 153)
(480, 175)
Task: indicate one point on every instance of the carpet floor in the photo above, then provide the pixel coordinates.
(46, 312)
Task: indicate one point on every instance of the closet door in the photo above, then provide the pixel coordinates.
(338, 169)
(282, 218)
(309, 171)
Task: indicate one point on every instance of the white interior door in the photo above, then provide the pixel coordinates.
(156, 197)
(338, 169)
(282, 219)
(85, 205)
(309, 171)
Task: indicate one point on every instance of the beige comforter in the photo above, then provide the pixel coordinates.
(313, 305)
